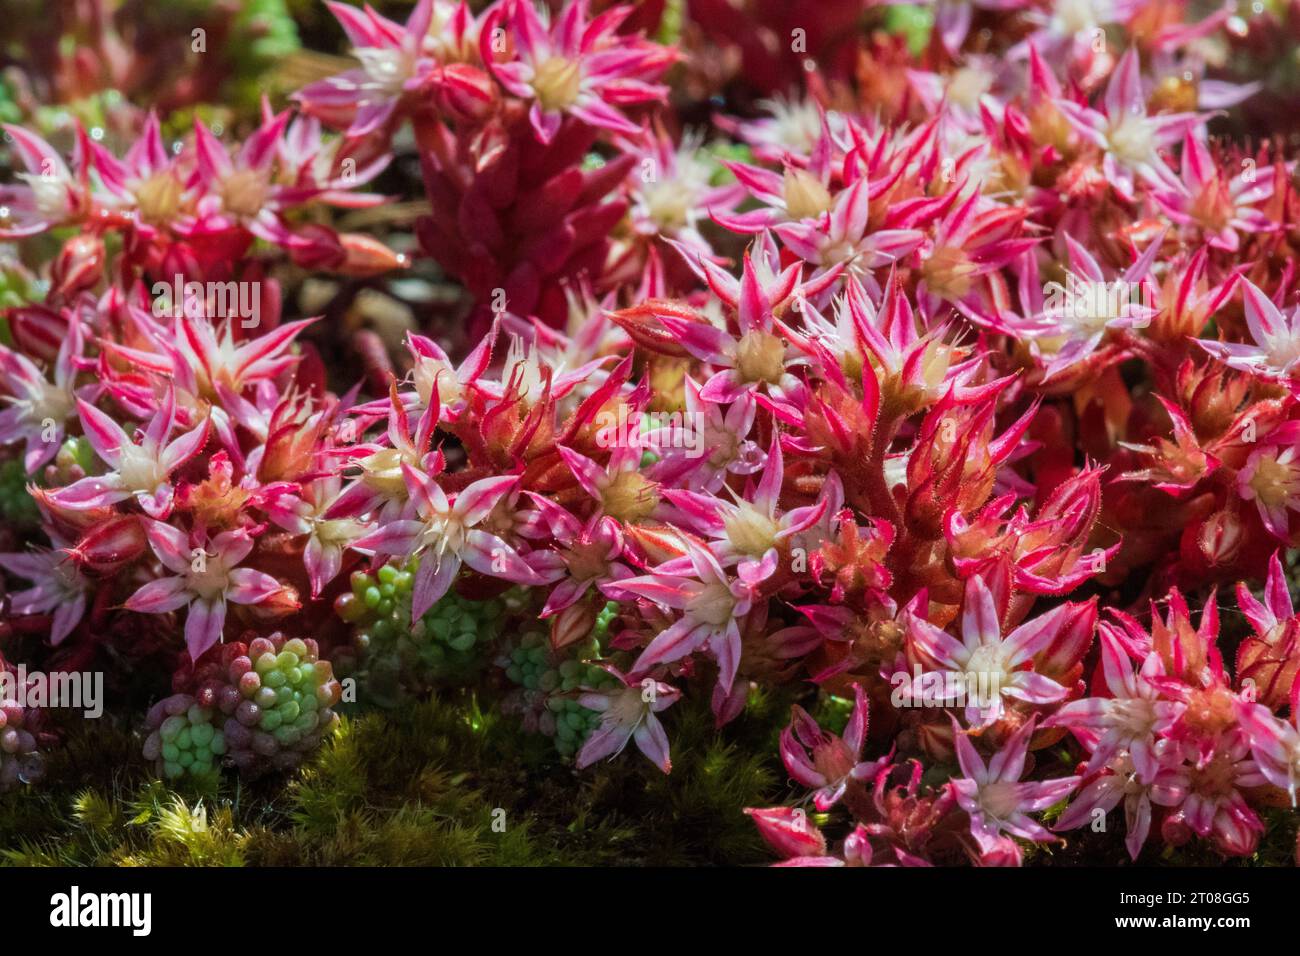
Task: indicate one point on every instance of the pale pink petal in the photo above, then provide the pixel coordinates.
(160, 596)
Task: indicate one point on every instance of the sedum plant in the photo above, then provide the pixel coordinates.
(948, 372)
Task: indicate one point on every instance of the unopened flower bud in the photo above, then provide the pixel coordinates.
(1220, 537)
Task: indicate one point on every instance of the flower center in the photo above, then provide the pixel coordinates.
(949, 272)
(725, 445)
(999, 799)
(750, 530)
(630, 496)
(1131, 138)
(805, 196)
(428, 371)
(337, 531)
(557, 83)
(1274, 481)
(987, 659)
(1217, 778)
(382, 471)
(1135, 717)
(243, 193)
(627, 707)
(669, 204)
(1283, 350)
(48, 402)
(714, 605)
(586, 560)
(140, 470)
(760, 357)
(444, 533)
(1212, 207)
(1072, 17)
(211, 579)
(158, 198)
(966, 87)
(387, 68)
(1209, 711)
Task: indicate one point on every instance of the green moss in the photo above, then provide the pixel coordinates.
(17, 507)
(443, 782)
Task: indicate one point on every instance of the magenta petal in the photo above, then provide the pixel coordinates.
(432, 581)
(608, 739)
(66, 616)
(653, 742)
(171, 545)
(95, 491)
(203, 626)
(672, 644)
(160, 596)
(250, 586)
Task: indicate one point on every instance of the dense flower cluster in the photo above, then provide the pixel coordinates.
(955, 380)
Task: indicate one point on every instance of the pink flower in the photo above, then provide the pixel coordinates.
(1130, 138)
(1277, 606)
(1271, 478)
(327, 538)
(1214, 805)
(576, 67)
(445, 532)
(241, 191)
(999, 662)
(49, 197)
(141, 471)
(711, 604)
(1275, 351)
(671, 189)
(842, 237)
(760, 356)
(1274, 743)
(628, 713)
(797, 194)
(1164, 784)
(1077, 316)
(381, 490)
(728, 450)
(57, 586)
(749, 532)
(433, 371)
(204, 578)
(1220, 208)
(587, 554)
(38, 409)
(826, 761)
(789, 831)
(909, 366)
(975, 239)
(148, 184)
(619, 485)
(993, 795)
(393, 65)
(1131, 719)
(952, 18)
(1068, 27)
(205, 356)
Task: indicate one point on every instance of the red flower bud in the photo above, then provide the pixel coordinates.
(112, 545)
